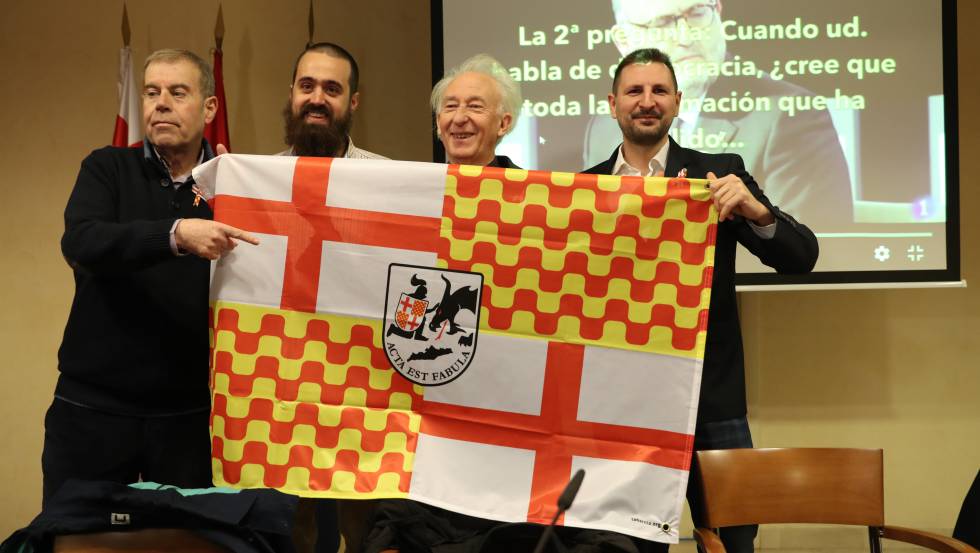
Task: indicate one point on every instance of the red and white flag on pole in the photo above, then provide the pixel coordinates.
(463, 336)
(216, 132)
(128, 131)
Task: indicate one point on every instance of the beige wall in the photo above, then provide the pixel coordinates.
(895, 369)
(891, 369)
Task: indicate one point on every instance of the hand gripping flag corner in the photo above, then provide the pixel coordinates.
(569, 313)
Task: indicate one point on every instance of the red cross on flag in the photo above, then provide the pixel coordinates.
(463, 336)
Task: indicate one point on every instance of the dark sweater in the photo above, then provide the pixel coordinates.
(136, 341)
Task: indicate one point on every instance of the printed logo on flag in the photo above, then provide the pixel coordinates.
(431, 321)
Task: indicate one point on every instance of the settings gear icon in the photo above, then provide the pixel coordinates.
(882, 253)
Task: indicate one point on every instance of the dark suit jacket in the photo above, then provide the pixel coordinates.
(503, 162)
(792, 250)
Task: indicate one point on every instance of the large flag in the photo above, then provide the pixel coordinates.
(463, 336)
(128, 130)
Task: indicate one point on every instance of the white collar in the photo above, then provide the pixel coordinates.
(657, 163)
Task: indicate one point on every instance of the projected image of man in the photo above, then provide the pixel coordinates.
(689, 31)
(798, 157)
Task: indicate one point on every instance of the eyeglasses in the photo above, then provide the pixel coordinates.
(697, 16)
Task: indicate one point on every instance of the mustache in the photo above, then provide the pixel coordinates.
(649, 112)
(318, 109)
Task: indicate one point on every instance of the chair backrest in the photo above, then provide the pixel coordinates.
(759, 486)
(163, 540)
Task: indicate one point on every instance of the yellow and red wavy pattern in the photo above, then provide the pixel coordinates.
(308, 404)
(584, 259)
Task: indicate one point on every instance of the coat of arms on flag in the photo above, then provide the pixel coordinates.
(588, 295)
(431, 346)
(409, 314)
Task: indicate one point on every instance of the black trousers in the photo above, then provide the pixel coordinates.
(726, 434)
(88, 444)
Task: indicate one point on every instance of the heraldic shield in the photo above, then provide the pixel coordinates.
(431, 322)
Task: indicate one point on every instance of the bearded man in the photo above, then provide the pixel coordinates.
(322, 100)
(318, 116)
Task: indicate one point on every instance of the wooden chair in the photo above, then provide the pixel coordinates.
(137, 541)
(821, 486)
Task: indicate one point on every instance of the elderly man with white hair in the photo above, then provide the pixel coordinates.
(476, 104)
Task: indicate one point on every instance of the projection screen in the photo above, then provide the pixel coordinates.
(843, 110)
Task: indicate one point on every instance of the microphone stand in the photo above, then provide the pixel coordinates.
(564, 502)
(549, 536)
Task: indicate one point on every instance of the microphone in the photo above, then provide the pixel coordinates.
(564, 503)
(571, 490)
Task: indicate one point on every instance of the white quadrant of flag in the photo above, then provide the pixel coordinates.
(650, 390)
(402, 187)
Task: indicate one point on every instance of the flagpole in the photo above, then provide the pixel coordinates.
(125, 27)
(219, 28)
(311, 23)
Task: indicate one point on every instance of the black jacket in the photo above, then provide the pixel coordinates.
(792, 250)
(136, 341)
(247, 521)
(503, 162)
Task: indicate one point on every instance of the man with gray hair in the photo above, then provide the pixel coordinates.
(132, 399)
(476, 104)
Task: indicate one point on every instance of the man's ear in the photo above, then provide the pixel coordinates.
(210, 108)
(355, 99)
(612, 104)
(505, 122)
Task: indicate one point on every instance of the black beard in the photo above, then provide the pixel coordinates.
(314, 139)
